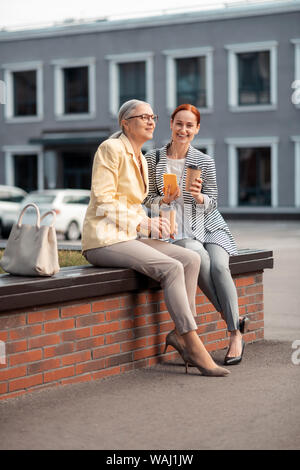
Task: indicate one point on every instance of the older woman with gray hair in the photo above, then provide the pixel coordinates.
(118, 233)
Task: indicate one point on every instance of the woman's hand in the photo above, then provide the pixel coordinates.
(195, 190)
(157, 227)
(170, 197)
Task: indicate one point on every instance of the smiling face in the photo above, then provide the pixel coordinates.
(136, 128)
(184, 127)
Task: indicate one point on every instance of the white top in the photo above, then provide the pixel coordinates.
(176, 166)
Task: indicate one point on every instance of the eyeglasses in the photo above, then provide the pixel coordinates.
(145, 117)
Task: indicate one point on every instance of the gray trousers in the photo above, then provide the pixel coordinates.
(215, 279)
(176, 268)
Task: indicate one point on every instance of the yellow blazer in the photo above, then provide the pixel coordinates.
(117, 191)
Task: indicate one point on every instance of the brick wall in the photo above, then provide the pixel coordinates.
(89, 340)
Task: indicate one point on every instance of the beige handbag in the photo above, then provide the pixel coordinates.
(31, 250)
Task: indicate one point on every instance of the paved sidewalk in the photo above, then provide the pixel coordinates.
(256, 407)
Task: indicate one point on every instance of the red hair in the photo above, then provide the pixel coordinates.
(187, 107)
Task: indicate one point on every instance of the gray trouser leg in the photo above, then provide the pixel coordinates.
(225, 288)
(215, 279)
(174, 267)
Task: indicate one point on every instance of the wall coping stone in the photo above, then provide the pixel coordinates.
(80, 282)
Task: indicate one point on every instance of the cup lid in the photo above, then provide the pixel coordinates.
(193, 167)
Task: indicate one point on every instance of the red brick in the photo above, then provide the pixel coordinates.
(12, 321)
(44, 315)
(41, 341)
(135, 344)
(116, 360)
(244, 281)
(3, 388)
(155, 296)
(58, 374)
(25, 383)
(16, 346)
(89, 343)
(119, 314)
(12, 373)
(42, 366)
(25, 357)
(119, 337)
(26, 331)
(106, 328)
(104, 305)
(144, 309)
(3, 335)
(106, 373)
(89, 320)
(76, 380)
(106, 351)
(141, 354)
(53, 327)
(90, 366)
(73, 335)
(74, 310)
(158, 317)
(157, 339)
(81, 356)
(59, 350)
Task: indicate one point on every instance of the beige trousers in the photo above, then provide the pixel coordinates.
(175, 267)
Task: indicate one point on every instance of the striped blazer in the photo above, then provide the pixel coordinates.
(208, 225)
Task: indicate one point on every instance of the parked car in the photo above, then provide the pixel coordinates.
(10, 200)
(69, 204)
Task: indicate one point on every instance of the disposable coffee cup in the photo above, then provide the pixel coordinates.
(192, 172)
(169, 213)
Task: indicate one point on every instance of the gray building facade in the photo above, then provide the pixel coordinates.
(240, 66)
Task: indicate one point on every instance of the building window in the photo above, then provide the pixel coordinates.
(189, 78)
(24, 84)
(24, 92)
(132, 81)
(191, 81)
(75, 88)
(24, 167)
(252, 76)
(254, 176)
(253, 171)
(130, 76)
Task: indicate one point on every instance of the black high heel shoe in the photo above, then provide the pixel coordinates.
(232, 361)
(243, 324)
(243, 327)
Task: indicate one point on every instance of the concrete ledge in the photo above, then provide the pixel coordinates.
(81, 282)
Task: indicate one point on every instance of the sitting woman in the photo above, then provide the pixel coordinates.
(201, 226)
(116, 230)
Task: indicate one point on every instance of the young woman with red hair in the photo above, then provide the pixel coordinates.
(201, 227)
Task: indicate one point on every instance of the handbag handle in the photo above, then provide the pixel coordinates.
(54, 217)
(38, 221)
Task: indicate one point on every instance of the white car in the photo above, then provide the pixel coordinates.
(10, 200)
(69, 204)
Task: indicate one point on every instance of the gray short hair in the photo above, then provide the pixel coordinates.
(125, 112)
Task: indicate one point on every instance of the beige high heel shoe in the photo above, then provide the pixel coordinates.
(171, 340)
(215, 372)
